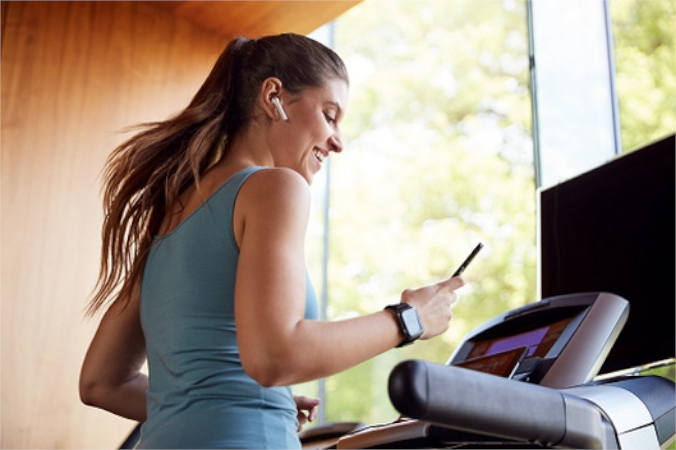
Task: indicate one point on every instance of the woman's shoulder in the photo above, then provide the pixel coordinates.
(279, 177)
(275, 183)
(275, 194)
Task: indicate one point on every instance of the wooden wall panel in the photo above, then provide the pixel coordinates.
(73, 75)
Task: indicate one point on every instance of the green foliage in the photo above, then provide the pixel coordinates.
(438, 157)
(645, 59)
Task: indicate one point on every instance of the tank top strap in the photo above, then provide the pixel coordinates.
(238, 178)
(223, 207)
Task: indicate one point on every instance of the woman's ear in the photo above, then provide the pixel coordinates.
(272, 89)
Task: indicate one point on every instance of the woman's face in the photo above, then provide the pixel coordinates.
(311, 133)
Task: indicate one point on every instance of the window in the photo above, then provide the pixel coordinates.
(438, 157)
(573, 82)
(645, 60)
(439, 154)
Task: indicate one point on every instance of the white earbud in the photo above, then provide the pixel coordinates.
(280, 109)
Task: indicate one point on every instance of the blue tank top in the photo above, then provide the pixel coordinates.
(199, 395)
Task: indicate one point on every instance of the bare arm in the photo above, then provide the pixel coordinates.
(110, 377)
(277, 345)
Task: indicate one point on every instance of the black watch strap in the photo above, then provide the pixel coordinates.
(408, 320)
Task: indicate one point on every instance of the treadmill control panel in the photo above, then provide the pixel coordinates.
(537, 342)
(547, 342)
(502, 364)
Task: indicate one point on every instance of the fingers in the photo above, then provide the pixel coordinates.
(453, 283)
(313, 413)
(302, 419)
(450, 284)
(308, 404)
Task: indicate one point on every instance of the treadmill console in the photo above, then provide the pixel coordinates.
(557, 342)
(524, 378)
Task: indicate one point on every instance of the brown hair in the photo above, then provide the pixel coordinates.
(145, 175)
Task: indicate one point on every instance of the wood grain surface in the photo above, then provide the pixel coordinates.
(74, 74)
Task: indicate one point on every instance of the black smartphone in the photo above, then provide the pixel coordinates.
(468, 260)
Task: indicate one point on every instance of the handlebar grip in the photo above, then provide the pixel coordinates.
(481, 403)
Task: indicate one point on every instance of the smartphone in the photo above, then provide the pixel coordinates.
(468, 260)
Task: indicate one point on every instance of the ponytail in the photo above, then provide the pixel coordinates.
(144, 176)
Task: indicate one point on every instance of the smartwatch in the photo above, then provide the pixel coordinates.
(408, 320)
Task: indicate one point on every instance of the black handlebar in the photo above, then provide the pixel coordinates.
(481, 403)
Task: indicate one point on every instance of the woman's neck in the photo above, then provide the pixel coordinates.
(249, 148)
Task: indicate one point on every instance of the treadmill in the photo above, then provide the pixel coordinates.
(525, 379)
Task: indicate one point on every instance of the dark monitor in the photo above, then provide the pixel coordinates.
(612, 229)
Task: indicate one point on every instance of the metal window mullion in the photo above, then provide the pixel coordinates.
(614, 104)
(324, 299)
(325, 282)
(535, 124)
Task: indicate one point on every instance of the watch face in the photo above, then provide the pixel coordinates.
(411, 321)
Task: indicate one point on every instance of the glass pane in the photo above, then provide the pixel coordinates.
(645, 61)
(438, 157)
(573, 88)
(314, 242)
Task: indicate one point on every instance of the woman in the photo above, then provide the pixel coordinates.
(205, 218)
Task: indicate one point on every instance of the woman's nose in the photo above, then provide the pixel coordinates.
(335, 144)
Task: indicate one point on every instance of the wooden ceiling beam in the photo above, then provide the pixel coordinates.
(258, 18)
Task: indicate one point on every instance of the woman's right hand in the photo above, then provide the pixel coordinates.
(433, 304)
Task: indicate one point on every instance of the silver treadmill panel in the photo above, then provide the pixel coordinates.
(626, 411)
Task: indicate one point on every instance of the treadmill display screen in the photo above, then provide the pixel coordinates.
(538, 341)
(500, 364)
